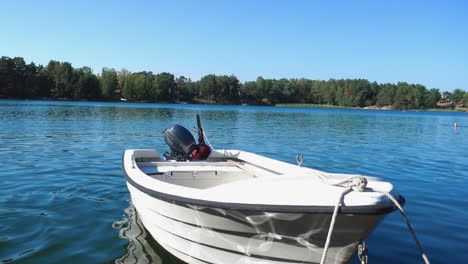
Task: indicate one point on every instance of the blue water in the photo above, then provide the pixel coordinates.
(64, 199)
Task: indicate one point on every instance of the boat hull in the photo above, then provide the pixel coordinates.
(207, 234)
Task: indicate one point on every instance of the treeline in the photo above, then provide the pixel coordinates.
(344, 92)
(57, 79)
(60, 80)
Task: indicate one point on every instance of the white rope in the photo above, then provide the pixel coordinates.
(332, 225)
(405, 217)
(207, 141)
(356, 182)
(359, 184)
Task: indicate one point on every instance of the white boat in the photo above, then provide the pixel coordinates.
(239, 207)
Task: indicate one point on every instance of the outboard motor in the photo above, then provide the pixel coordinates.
(181, 142)
(183, 145)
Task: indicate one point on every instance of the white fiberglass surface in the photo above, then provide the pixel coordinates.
(260, 181)
(199, 175)
(224, 236)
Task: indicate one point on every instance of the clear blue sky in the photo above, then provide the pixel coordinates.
(385, 41)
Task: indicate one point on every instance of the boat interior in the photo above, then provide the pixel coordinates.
(235, 175)
(198, 165)
(203, 174)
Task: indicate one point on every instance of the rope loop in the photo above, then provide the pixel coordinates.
(359, 184)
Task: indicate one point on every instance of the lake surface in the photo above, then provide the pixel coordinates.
(64, 198)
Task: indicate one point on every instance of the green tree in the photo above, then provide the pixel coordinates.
(11, 71)
(19, 77)
(430, 98)
(318, 88)
(128, 89)
(328, 92)
(457, 96)
(227, 89)
(62, 75)
(121, 77)
(109, 82)
(6, 76)
(262, 90)
(386, 95)
(87, 86)
(164, 87)
(182, 91)
(38, 82)
(144, 86)
(53, 69)
(278, 91)
(139, 86)
(303, 89)
(404, 98)
(208, 87)
(192, 89)
(67, 80)
(409, 96)
(232, 92)
(355, 92)
(248, 92)
(21, 80)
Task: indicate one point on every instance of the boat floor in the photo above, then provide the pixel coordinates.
(200, 175)
(228, 179)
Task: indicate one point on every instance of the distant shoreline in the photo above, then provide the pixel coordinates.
(386, 108)
(61, 81)
(441, 109)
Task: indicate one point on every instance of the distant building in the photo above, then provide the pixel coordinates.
(444, 98)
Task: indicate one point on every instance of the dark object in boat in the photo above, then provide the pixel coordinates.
(183, 145)
(181, 142)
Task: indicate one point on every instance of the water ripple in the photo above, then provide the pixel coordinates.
(63, 192)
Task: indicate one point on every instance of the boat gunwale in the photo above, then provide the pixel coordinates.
(378, 209)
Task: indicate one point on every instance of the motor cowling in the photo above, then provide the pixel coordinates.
(181, 142)
(183, 145)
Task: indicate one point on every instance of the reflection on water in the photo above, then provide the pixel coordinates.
(141, 247)
(139, 251)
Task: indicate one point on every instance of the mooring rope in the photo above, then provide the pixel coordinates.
(332, 225)
(405, 217)
(208, 141)
(359, 184)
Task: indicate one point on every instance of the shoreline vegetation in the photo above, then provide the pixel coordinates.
(441, 107)
(60, 81)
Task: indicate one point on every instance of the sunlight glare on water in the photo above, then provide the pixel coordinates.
(64, 198)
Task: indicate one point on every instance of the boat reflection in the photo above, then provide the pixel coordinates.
(142, 247)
